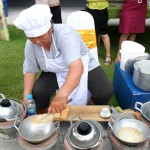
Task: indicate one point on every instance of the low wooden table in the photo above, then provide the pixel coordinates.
(89, 112)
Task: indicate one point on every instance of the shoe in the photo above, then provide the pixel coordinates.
(108, 60)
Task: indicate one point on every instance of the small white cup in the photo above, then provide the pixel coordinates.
(105, 113)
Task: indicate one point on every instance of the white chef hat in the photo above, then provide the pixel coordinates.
(34, 21)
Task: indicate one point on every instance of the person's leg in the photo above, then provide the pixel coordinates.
(56, 12)
(99, 86)
(44, 88)
(103, 29)
(123, 37)
(132, 37)
(106, 42)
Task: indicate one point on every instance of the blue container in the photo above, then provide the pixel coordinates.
(125, 91)
(5, 2)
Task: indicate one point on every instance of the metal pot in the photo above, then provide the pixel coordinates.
(84, 134)
(35, 132)
(129, 64)
(131, 123)
(145, 109)
(141, 75)
(9, 109)
(7, 129)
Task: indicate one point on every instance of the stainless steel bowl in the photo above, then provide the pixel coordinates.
(35, 132)
(133, 123)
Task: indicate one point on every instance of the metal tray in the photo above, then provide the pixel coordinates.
(129, 64)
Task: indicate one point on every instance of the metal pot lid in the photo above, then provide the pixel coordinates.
(129, 64)
(85, 134)
(9, 109)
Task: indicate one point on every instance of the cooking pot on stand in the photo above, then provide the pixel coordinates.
(9, 109)
(34, 132)
(141, 75)
(121, 123)
(145, 109)
(84, 134)
(7, 130)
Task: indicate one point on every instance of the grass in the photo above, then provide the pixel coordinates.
(12, 55)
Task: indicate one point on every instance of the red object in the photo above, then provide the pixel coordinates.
(132, 16)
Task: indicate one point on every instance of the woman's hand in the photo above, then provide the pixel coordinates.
(58, 104)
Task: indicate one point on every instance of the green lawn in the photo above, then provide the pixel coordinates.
(12, 55)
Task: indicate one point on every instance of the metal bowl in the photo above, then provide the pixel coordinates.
(35, 132)
(131, 123)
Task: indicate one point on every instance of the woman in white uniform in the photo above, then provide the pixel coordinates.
(66, 64)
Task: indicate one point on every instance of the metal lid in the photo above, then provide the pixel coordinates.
(129, 64)
(9, 109)
(84, 134)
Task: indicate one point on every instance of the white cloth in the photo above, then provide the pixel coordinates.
(79, 95)
(35, 20)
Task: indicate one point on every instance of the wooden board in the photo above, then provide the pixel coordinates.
(90, 112)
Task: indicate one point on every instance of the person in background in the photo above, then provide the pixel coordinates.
(98, 9)
(54, 7)
(132, 20)
(67, 65)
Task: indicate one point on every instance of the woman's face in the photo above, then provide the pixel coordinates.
(43, 40)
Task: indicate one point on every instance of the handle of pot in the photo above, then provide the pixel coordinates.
(113, 121)
(110, 123)
(73, 117)
(136, 106)
(16, 123)
(57, 124)
(3, 96)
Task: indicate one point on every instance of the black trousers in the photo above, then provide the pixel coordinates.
(56, 12)
(98, 84)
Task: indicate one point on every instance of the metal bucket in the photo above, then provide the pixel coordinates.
(141, 75)
(128, 50)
